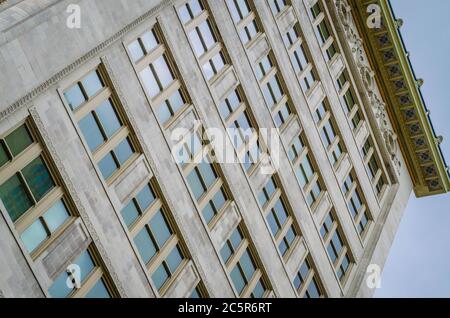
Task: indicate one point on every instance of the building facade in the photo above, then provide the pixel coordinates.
(110, 113)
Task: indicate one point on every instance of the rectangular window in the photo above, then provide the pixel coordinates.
(323, 33)
(96, 110)
(348, 100)
(237, 255)
(274, 95)
(297, 51)
(307, 281)
(279, 219)
(32, 197)
(355, 203)
(204, 37)
(305, 171)
(94, 282)
(328, 133)
(277, 5)
(156, 240)
(371, 161)
(158, 74)
(336, 247)
(244, 18)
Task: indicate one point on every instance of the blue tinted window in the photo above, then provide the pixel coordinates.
(160, 276)
(99, 291)
(56, 216)
(124, 151)
(107, 166)
(145, 245)
(74, 97)
(91, 132)
(34, 235)
(108, 118)
(145, 198)
(130, 213)
(92, 84)
(160, 229)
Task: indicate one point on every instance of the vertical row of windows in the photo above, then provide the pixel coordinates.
(307, 282)
(348, 99)
(322, 29)
(355, 203)
(305, 170)
(237, 254)
(203, 37)
(337, 249)
(274, 95)
(40, 209)
(372, 164)
(96, 110)
(280, 220)
(244, 18)
(243, 129)
(158, 75)
(298, 54)
(159, 246)
(328, 133)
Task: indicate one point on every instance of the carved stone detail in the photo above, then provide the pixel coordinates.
(368, 79)
(48, 143)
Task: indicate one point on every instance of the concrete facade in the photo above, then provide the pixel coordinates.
(40, 58)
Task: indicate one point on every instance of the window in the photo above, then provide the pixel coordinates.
(103, 128)
(203, 37)
(158, 75)
(238, 119)
(328, 133)
(371, 161)
(305, 172)
(273, 93)
(335, 246)
(277, 5)
(241, 10)
(355, 203)
(243, 271)
(278, 218)
(93, 280)
(297, 51)
(306, 281)
(323, 33)
(156, 240)
(198, 292)
(30, 194)
(347, 97)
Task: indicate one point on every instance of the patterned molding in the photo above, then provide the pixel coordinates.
(26, 100)
(72, 191)
(368, 78)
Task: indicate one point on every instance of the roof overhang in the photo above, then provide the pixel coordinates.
(401, 92)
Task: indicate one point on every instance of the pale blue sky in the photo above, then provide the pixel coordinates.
(419, 262)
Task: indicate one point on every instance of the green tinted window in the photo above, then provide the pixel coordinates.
(19, 140)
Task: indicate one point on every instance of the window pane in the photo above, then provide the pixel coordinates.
(108, 118)
(91, 132)
(99, 291)
(195, 184)
(208, 212)
(56, 216)
(130, 213)
(107, 166)
(145, 198)
(174, 259)
(59, 288)
(38, 178)
(15, 198)
(259, 290)
(145, 245)
(160, 229)
(208, 174)
(184, 14)
(238, 280)
(162, 70)
(206, 32)
(149, 41)
(18, 140)
(3, 155)
(151, 86)
(74, 97)
(196, 43)
(176, 101)
(135, 50)
(247, 265)
(163, 112)
(123, 151)
(225, 253)
(34, 235)
(160, 276)
(272, 223)
(236, 239)
(86, 265)
(196, 7)
(92, 84)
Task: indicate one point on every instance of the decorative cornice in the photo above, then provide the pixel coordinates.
(401, 114)
(26, 100)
